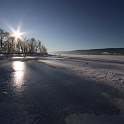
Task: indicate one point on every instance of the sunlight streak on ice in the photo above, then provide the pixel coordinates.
(18, 75)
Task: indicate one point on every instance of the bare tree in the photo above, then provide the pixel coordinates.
(2, 35)
(24, 45)
(39, 46)
(43, 49)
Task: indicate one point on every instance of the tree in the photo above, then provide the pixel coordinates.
(43, 49)
(2, 34)
(7, 42)
(23, 45)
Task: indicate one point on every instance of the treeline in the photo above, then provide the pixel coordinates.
(9, 44)
(105, 51)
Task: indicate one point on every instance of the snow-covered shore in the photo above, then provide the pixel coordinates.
(108, 69)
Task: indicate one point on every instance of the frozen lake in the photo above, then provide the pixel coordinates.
(63, 89)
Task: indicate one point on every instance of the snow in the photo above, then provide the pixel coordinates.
(108, 69)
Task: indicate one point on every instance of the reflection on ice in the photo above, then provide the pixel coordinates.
(18, 74)
(17, 57)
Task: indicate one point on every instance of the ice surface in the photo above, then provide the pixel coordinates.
(66, 89)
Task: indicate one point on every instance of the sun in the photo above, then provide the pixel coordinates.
(17, 34)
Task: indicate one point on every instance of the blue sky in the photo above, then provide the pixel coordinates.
(67, 24)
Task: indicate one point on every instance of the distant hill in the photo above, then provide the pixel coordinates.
(106, 51)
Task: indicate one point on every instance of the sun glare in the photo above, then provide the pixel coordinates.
(17, 34)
